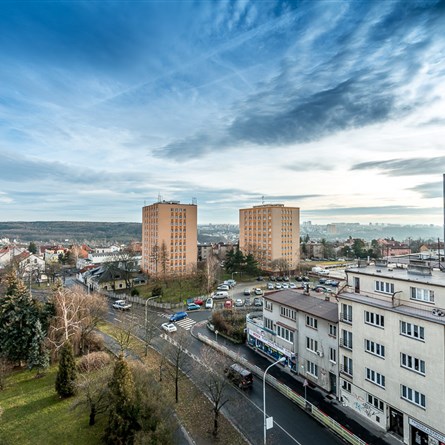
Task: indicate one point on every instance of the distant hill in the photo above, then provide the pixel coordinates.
(73, 231)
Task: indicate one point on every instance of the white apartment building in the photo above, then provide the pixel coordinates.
(301, 328)
(392, 349)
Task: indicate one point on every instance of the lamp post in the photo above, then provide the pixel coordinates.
(264, 395)
(146, 321)
(233, 274)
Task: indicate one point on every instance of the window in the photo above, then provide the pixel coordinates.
(412, 363)
(286, 334)
(374, 348)
(422, 294)
(413, 396)
(333, 330)
(375, 402)
(312, 368)
(312, 344)
(311, 322)
(345, 385)
(346, 339)
(269, 305)
(288, 313)
(412, 330)
(375, 377)
(374, 319)
(333, 355)
(268, 323)
(346, 313)
(347, 365)
(386, 288)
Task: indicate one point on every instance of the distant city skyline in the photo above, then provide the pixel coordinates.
(335, 107)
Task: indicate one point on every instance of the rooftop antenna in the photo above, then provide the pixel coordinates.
(159, 197)
(262, 200)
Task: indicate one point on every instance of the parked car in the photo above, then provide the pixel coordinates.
(199, 300)
(223, 287)
(228, 304)
(122, 305)
(257, 301)
(220, 294)
(272, 278)
(210, 326)
(321, 289)
(247, 301)
(209, 303)
(260, 278)
(169, 327)
(299, 278)
(306, 279)
(247, 291)
(331, 283)
(193, 307)
(258, 291)
(239, 302)
(278, 286)
(240, 376)
(178, 316)
(270, 286)
(231, 283)
(292, 285)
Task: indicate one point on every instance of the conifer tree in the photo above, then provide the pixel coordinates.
(38, 355)
(122, 422)
(66, 375)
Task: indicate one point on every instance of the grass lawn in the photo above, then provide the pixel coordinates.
(34, 414)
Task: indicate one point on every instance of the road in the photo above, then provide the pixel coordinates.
(245, 408)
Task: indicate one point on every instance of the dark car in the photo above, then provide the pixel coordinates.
(299, 278)
(260, 278)
(240, 376)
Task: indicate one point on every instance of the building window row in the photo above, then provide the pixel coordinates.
(375, 377)
(311, 322)
(288, 313)
(375, 348)
(375, 402)
(412, 330)
(333, 330)
(346, 313)
(268, 323)
(422, 294)
(412, 363)
(311, 344)
(413, 396)
(374, 319)
(386, 288)
(346, 340)
(312, 368)
(285, 334)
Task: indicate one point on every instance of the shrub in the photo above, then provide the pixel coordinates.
(134, 292)
(66, 375)
(93, 362)
(94, 342)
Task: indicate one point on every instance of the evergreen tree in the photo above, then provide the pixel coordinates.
(18, 316)
(66, 375)
(38, 355)
(229, 261)
(238, 260)
(251, 265)
(122, 421)
(32, 248)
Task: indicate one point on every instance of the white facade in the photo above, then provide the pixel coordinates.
(392, 349)
(304, 330)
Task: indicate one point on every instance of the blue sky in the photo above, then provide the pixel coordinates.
(336, 107)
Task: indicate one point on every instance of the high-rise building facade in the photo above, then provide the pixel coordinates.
(169, 238)
(271, 232)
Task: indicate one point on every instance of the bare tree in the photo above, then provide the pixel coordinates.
(177, 354)
(164, 260)
(280, 264)
(125, 331)
(151, 329)
(216, 383)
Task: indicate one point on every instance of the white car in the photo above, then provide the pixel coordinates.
(284, 286)
(122, 305)
(292, 286)
(169, 327)
(258, 291)
(247, 291)
(209, 303)
(278, 286)
(223, 287)
(270, 286)
(239, 302)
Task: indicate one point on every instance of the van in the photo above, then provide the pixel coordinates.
(240, 376)
(223, 287)
(220, 294)
(178, 316)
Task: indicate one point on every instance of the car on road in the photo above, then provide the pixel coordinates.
(239, 302)
(209, 303)
(257, 301)
(247, 291)
(193, 307)
(178, 316)
(122, 305)
(240, 376)
(169, 327)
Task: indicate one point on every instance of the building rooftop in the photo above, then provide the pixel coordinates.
(304, 303)
(416, 272)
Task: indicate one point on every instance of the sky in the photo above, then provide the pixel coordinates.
(335, 107)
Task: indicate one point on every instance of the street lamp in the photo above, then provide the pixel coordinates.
(146, 322)
(232, 274)
(264, 394)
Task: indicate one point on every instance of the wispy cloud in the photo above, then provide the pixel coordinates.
(405, 167)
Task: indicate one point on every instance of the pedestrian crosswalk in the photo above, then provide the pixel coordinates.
(185, 323)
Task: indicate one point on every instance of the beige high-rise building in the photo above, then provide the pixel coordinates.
(271, 232)
(169, 238)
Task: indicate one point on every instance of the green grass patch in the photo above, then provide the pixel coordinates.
(34, 414)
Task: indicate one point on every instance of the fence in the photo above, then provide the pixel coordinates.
(289, 393)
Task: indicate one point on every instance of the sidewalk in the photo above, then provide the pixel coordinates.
(345, 416)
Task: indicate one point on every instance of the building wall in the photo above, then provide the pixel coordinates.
(270, 233)
(397, 307)
(174, 226)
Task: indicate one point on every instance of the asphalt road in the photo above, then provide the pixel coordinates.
(245, 408)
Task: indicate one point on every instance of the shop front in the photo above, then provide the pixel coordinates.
(259, 342)
(423, 435)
